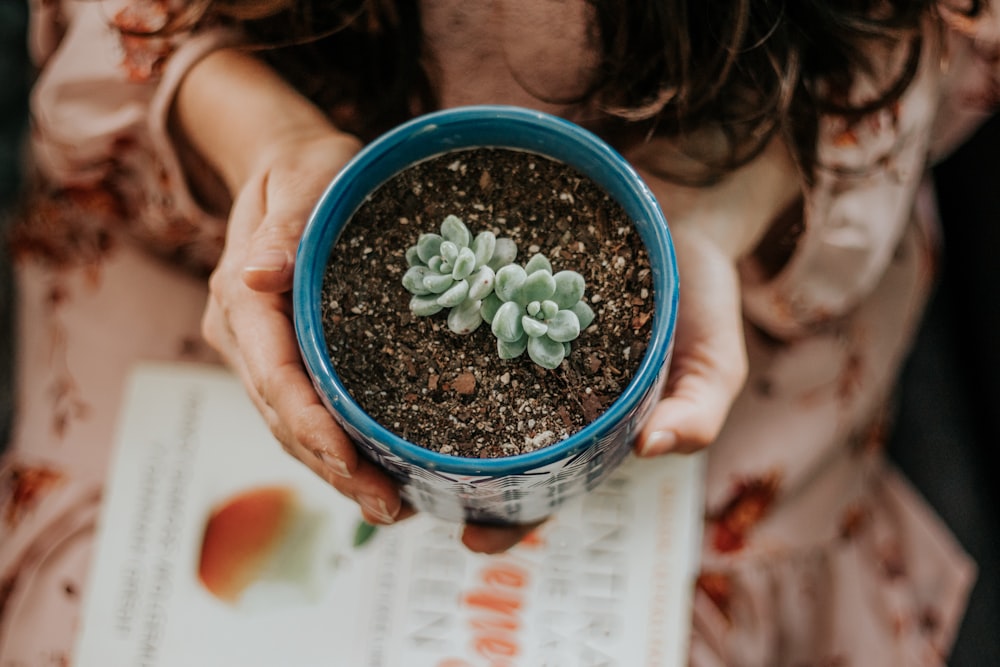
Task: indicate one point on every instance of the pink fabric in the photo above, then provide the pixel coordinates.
(815, 551)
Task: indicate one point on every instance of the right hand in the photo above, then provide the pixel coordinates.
(277, 153)
(249, 316)
(248, 320)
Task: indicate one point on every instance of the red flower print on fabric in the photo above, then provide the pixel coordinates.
(853, 521)
(851, 378)
(749, 503)
(719, 588)
(22, 488)
(67, 227)
(144, 52)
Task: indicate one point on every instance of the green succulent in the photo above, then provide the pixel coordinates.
(456, 271)
(528, 308)
(532, 309)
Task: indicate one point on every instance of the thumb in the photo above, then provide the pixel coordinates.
(291, 187)
(270, 258)
(690, 415)
(269, 266)
(709, 363)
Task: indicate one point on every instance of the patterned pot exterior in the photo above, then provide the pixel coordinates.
(515, 489)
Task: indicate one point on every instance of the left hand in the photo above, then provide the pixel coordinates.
(709, 364)
(713, 228)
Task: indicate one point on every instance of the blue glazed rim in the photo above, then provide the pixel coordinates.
(468, 127)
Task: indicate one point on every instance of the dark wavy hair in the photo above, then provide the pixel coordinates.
(746, 70)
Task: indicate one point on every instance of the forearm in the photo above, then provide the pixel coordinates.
(735, 213)
(233, 111)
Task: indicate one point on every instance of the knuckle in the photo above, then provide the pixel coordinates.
(281, 229)
(261, 386)
(734, 372)
(702, 437)
(217, 281)
(285, 443)
(210, 329)
(309, 428)
(214, 278)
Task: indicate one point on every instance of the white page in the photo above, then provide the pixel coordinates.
(607, 581)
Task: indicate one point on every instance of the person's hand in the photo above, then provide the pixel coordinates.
(277, 153)
(248, 320)
(709, 364)
(708, 368)
(248, 317)
(712, 229)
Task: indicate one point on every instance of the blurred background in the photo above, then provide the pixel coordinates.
(13, 120)
(948, 427)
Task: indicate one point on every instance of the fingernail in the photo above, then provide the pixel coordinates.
(332, 462)
(377, 508)
(269, 260)
(658, 442)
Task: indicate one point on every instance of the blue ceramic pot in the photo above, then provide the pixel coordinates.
(515, 489)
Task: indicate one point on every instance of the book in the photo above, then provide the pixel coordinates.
(216, 548)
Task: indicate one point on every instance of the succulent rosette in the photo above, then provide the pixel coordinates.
(533, 309)
(528, 308)
(456, 271)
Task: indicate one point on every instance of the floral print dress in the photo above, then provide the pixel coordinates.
(815, 551)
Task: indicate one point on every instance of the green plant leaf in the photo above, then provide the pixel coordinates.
(569, 288)
(512, 350)
(413, 280)
(584, 313)
(538, 262)
(538, 286)
(507, 322)
(428, 245)
(491, 304)
(424, 306)
(546, 352)
(454, 230)
(508, 282)
(481, 283)
(534, 328)
(466, 318)
(483, 246)
(436, 283)
(464, 264)
(363, 532)
(455, 294)
(413, 257)
(564, 327)
(504, 253)
(449, 252)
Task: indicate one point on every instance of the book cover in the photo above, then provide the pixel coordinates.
(216, 548)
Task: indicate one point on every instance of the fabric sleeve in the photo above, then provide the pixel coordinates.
(970, 77)
(99, 109)
(857, 208)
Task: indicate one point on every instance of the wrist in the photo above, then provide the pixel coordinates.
(237, 114)
(734, 213)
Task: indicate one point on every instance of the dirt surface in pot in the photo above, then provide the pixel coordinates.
(452, 393)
